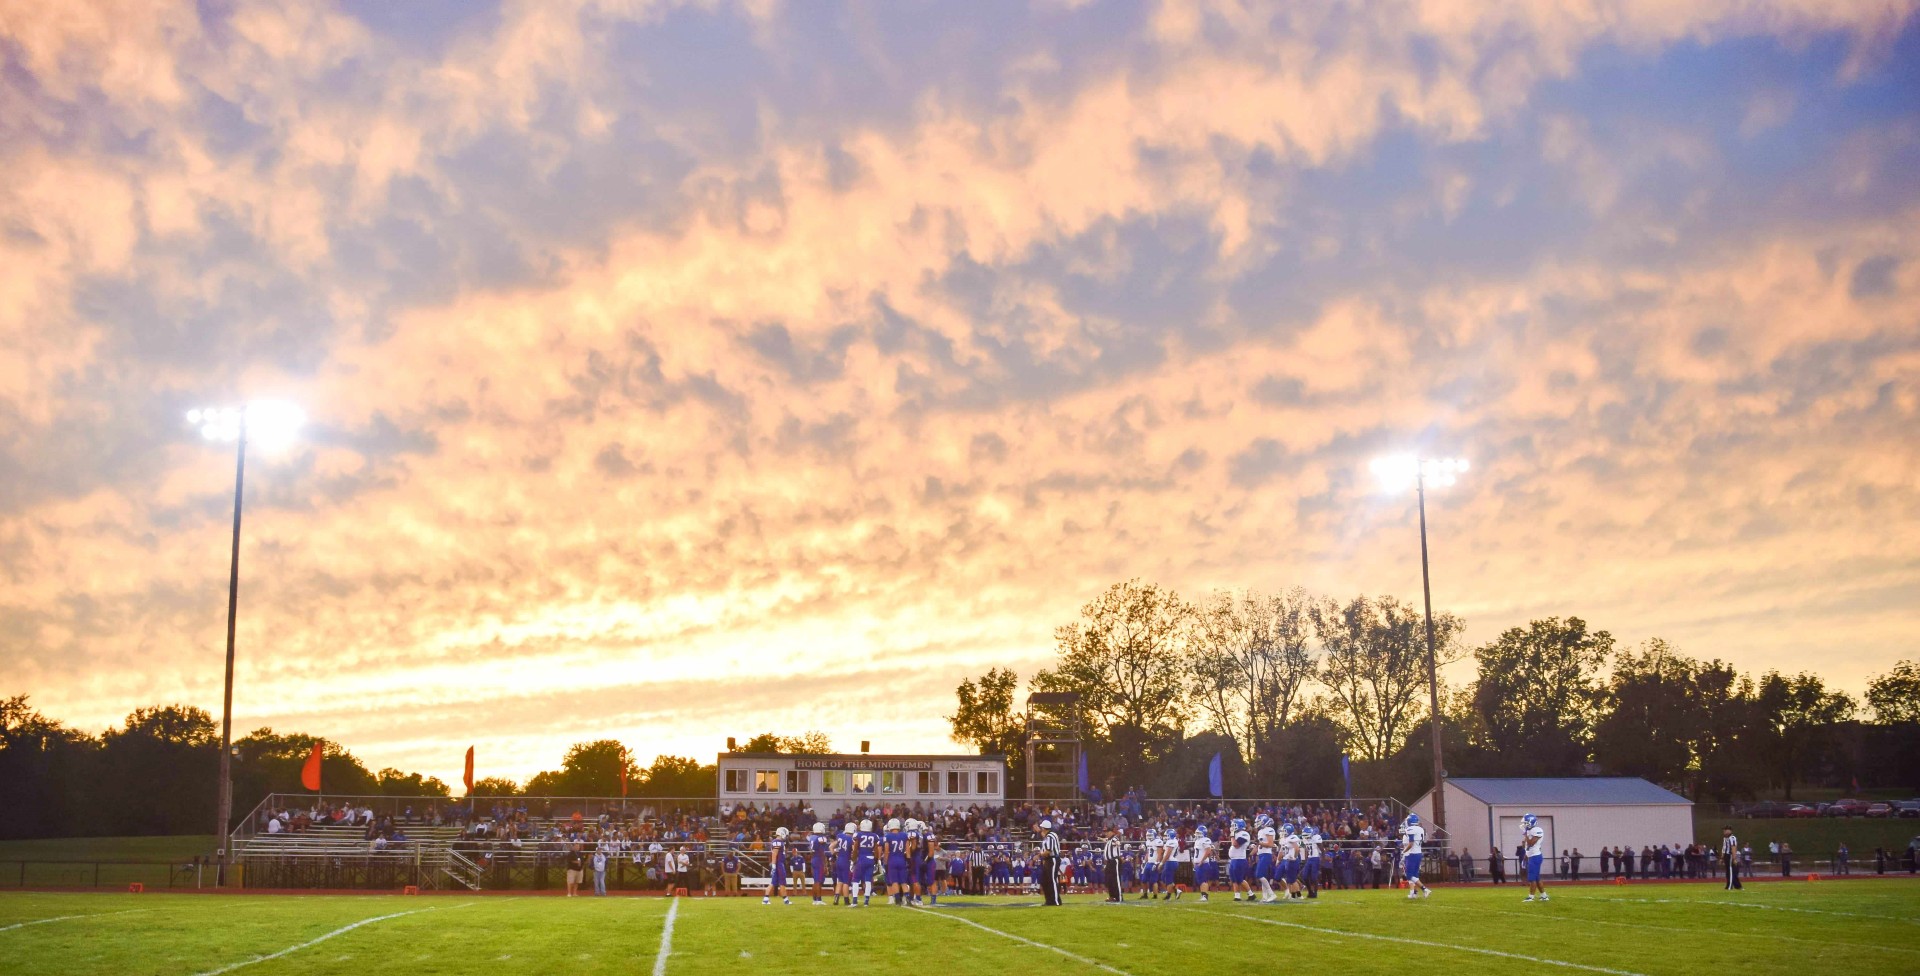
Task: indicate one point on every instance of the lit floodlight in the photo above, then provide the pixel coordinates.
(271, 424)
(1398, 472)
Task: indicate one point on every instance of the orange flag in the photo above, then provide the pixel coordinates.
(310, 773)
(468, 779)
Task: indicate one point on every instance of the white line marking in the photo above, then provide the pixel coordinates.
(1419, 942)
(666, 939)
(63, 918)
(314, 942)
(1097, 964)
(1678, 928)
(1748, 904)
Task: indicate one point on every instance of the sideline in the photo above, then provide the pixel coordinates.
(63, 918)
(666, 939)
(1097, 964)
(314, 942)
(1683, 930)
(1342, 933)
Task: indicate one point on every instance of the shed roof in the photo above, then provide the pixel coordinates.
(1571, 791)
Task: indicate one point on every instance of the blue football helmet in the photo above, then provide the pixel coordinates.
(1529, 819)
(1413, 819)
(1239, 824)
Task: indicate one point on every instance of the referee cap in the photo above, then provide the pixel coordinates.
(1046, 825)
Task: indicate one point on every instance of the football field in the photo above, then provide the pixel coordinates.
(1859, 927)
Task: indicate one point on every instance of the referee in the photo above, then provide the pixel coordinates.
(1111, 859)
(1730, 853)
(1049, 866)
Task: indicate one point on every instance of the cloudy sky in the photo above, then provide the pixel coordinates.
(679, 370)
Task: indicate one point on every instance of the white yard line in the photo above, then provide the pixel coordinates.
(1343, 933)
(1686, 930)
(666, 939)
(63, 918)
(1097, 964)
(314, 942)
(1748, 904)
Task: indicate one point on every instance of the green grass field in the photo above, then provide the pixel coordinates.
(1818, 836)
(173, 848)
(1860, 927)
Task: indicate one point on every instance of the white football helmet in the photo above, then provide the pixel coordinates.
(819, 828)
(848, 829)
(893, 824)
(780, 832)
(866, 826)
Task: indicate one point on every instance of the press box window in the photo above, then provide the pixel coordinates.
(833, 782)
(796, 781)
(863, 782)
(738, 781)
(766, 781)
(893, 782)
(986, 783)
(929, 782)
(956, 782)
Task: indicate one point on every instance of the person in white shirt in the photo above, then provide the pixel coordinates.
(1410, 837)
(1536, 853)
(1265, 862)
(1204, 866)
(1239, 868)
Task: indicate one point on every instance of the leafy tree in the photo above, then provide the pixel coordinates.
(1650, 725)
(1253, 655)
(549, 782)
(44, 765)
(1127, 660)
(678, 777)
(393, 782)
(1374, 667)
(494, 786)
(1895, 696)
(1536, 693)
(1796, 713)
(984, 720)
(158, 770)
(813, 743)
(593, 769)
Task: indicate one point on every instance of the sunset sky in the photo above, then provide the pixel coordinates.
(685, 370)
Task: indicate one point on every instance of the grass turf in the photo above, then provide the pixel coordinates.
(1818, 837)
(1861, 928)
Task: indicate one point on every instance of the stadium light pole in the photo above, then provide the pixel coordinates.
(1395, 472)
(273, 424)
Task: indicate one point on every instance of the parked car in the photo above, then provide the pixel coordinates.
(1880, 810)
(1907, 808)
(1847, 808)
(1765, 809)
(1801, 810)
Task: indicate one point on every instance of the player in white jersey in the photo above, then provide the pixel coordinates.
(1410, 837)
(1310, 837)
(1292, 859)
(1150, 864)
(1239, 860)
(1204, 866)
(1176, 856)
(1264, 863)
(1536, 840)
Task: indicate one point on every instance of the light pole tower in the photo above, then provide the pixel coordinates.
(276, 424)
(1442, 472)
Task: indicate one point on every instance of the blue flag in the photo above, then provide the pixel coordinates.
(1082, 779)
(1346, 772)
(1214, 785)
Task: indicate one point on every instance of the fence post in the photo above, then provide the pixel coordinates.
(96, 874)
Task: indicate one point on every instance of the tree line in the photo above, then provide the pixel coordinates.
(1284, 684)
(156, 772)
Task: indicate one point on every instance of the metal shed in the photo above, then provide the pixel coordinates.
(1586, 813)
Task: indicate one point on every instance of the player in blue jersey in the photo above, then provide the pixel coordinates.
(843, 865)
(894, 843)
(1536, 842)
(929, 877)
(866, 846)
(1204, 865)
(1410, 837)
(1264, 845)
(1310, 837)
(817, 846)
(1239, 859)
(777, 863)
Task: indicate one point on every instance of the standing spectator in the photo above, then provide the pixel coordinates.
(576, 866)
(684, 867)
(730, 871)
(599, 872)
(1466, 865)
(1496, 866)
(1575, 861)
(1786, 860)
(1841, 863)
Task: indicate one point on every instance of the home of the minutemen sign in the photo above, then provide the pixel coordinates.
(829, 782)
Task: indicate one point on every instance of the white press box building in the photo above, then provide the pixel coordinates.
(1584, 812)
(830, 782)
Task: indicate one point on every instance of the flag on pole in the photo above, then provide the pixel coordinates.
(1215, 785)
(1081, 777)
(1346, 773)
(468, 778)
(310, 773)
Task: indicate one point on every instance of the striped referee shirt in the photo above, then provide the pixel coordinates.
(1050, 845)
(1113, 848)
